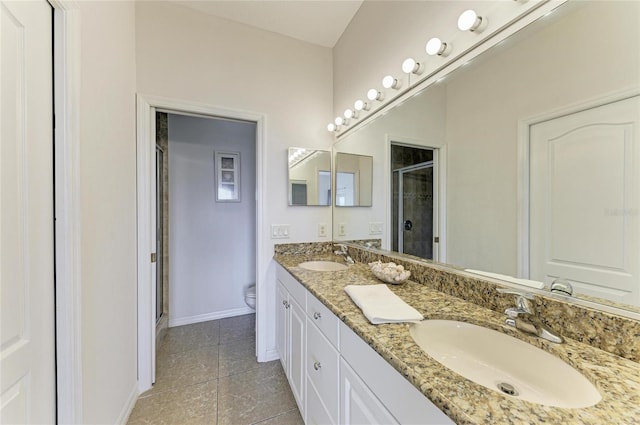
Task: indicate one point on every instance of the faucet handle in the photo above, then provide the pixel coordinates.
(517, 292)
(522, 303)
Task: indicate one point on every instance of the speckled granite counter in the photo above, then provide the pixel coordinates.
(617, 378)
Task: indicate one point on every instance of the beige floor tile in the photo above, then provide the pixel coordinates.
(237, 357)
(195, 404)
(185, 368)
(253, 396)
(292, 417)
(190, 337)
(236, 328)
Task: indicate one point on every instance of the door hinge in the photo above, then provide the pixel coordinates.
(153, 257)
(436, 239)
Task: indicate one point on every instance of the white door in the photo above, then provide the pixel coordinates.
(26, 214)
(585, 202)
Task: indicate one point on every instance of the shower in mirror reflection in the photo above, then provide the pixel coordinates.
(412, 203)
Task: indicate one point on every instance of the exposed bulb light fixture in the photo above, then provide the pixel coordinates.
(389, 82)
(435, 46)
(361, 105)
(350, 113)
(470, 21)
(374, 94)
(410, 66)
(332, 127)
(340, 121)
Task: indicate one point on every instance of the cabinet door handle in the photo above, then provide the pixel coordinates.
(316, 315)
(317, 365)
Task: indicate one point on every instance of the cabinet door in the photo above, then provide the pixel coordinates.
(359, 405)
(297, 352)
(282, 325)
(323, 370)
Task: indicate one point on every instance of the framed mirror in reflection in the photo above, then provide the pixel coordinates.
(539, 150)
(309, 177)
(354, 175)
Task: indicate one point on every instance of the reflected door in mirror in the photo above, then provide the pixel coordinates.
(584, 204)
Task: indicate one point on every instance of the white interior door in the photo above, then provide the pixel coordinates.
(584, 202)
(26, 214)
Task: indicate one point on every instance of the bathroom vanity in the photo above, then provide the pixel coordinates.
(342, 369)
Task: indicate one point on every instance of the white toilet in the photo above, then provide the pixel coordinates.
(250, 296)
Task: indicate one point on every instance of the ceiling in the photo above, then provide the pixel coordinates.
(320, 22)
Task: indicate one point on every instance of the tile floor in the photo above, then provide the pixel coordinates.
(207, 374)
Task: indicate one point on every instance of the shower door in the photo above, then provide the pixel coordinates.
(414, 210)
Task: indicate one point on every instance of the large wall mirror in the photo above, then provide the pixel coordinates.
(527, 158)
(309, 177)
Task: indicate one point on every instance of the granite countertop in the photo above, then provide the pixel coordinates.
(465, 402)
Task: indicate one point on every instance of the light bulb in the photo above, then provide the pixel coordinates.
(339, 121)
(470, 21)
(435, 46)
(360, 105)
(332, 127)
(350, 113)
(389, 82)
(374, 94)
(410, 66)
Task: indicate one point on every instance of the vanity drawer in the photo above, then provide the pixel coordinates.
(323, 369)
(323, 318)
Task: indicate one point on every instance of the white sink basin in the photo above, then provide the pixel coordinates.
(323, 266)
(492, 359)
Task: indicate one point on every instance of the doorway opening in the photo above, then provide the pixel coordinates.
(414, 198)
(199, 224)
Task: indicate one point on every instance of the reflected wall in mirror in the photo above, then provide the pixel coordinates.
(354, 174)
(489, 120)
(309, 177)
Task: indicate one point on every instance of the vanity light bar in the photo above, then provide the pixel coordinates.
(469, 20)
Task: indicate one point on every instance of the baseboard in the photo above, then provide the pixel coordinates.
(123, 417)
(269, 355)
(179, 321)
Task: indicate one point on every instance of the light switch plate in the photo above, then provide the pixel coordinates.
(279, 231)
(375, 228)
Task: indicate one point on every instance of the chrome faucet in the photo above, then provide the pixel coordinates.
(523, 318)
(343, 251)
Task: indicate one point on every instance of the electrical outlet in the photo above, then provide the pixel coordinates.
(279, 231)
(375, 228)
(342, 229)
(322, 230)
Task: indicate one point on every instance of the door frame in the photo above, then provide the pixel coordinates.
(523, 178)
(401, 172)
(145, 161)
(439, 213)
(66, 68)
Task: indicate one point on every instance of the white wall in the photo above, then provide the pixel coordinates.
(212, 244)
(108, 209)
(186, 55)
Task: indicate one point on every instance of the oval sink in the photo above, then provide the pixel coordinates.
(504, 364)
(323, 266)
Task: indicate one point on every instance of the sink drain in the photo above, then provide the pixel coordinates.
(507, 388)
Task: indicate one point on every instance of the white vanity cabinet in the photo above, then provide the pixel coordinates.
(335, 376)
(290, 334)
